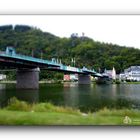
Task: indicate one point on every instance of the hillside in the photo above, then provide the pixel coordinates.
(92, 54)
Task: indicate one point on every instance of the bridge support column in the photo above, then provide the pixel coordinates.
(28, 78)
(84, 79)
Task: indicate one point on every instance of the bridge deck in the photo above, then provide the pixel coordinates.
(14, 60)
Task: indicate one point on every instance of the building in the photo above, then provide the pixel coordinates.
(114, 76)
(66, 77)
(111, 73)
(2, 76)
(70, 77)
(131, 74)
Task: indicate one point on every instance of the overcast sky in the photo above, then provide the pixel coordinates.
(120, 29)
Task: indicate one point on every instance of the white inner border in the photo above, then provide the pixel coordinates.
(69, 7)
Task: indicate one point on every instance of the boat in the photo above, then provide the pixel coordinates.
(104, 80)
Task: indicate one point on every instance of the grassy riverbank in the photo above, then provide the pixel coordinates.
(133, 82)
(40, 82)
(22, 113)
(61, 81)
(7, 82)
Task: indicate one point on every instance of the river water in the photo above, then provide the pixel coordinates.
(84, 97)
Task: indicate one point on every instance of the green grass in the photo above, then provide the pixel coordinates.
(133, 82)
(8, 117)
(7, 82)
(22, 113)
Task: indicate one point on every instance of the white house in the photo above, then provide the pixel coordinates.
(111, 73)
(132, 74)
(2, 76)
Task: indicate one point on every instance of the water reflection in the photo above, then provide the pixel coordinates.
(71, 94)
(85, 97)
(26, 95)
(2, 95)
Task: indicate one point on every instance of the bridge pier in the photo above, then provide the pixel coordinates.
(28, 78)
(84, 79)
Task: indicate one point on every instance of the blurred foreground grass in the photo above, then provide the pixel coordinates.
(22, 113)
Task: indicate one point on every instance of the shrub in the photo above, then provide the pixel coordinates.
(43, 107)
(15, 104)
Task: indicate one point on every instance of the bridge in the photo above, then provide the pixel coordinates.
(28, 69)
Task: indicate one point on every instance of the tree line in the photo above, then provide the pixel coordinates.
(85, 51)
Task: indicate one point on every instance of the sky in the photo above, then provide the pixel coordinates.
(123, 30)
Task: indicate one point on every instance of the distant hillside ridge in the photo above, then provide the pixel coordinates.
(76, 50)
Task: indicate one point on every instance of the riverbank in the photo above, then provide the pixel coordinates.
(133, 82)
(22, 113)
(7, 82)
(61, 81)
(40, 82)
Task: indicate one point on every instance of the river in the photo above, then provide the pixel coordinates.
(84, 97)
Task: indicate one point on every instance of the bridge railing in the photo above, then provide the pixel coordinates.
(29, 58)
(50, 62)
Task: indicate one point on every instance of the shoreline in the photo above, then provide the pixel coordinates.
(22, 113)
(60, 81)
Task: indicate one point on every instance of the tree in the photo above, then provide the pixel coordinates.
(87, 52)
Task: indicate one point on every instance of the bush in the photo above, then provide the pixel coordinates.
(15, 104)
(43, 107)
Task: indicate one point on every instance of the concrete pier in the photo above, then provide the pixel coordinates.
(28, 78)
(84, 79)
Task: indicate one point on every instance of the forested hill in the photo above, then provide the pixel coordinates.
(87, 52)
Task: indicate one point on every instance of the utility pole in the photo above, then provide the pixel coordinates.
(74, 61)
(32, 53)
(41, 54)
